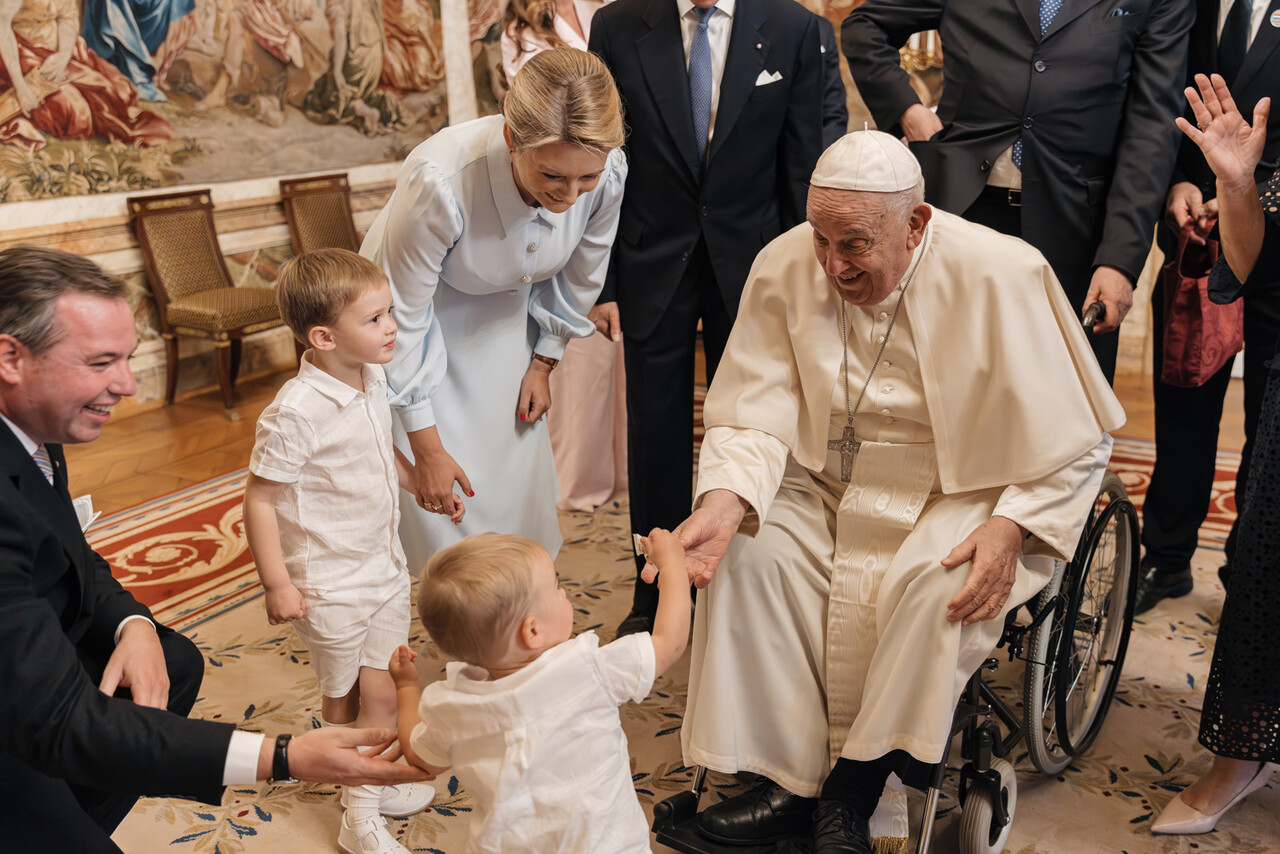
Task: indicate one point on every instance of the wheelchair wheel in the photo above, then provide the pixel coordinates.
(980, 833)
(1099, 611)
(1039, 722)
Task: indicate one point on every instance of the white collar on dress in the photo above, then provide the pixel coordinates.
(512, 211)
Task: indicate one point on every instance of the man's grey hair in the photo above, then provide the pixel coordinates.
(899, 205)
(31, 281)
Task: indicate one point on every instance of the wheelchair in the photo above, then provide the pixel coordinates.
(1072, 636)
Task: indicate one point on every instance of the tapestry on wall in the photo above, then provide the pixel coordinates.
(102, 96)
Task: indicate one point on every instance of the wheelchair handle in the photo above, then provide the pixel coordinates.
(1095, 312)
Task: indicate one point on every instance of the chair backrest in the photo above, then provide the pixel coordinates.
(319, 213)
(179, 245)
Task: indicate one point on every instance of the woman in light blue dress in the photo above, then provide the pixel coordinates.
(496, 241)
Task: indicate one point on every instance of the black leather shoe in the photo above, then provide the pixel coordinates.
(837, 829)
(634, 624)
(760, 814)
(1158, 583)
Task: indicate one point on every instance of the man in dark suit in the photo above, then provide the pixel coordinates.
(93, 692)
(724, 106)
(1054, 125)
(1241, 41)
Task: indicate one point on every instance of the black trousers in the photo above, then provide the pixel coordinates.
(994, 210)
(46, 813)
(660, 375)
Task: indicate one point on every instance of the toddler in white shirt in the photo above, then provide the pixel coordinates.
(528, 717)
(321, 509)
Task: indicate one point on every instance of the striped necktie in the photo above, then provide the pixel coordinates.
(700, 81)
(41, 456)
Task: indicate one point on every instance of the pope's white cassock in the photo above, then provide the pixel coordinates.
(824, 634)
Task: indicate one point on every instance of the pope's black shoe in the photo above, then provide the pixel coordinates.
(1158, 582)
(762, 813)
(837, 829)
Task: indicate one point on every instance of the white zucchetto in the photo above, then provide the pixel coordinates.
(869, 161)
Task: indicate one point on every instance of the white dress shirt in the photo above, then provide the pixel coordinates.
(719, 27)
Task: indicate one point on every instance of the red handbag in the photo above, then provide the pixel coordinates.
(1200, 336)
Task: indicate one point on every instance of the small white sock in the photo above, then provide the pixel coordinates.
(362, 803)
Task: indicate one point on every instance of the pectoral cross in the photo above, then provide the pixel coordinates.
(848, 447)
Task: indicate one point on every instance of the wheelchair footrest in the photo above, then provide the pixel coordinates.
(675, 824)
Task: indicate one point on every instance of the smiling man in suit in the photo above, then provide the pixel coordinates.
(94, 692)
(1054, 125)
(724, 106)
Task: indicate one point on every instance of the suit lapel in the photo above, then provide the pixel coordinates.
(50, 503)
(1071, 9)
(661, 53)
(1259, 54)
(742, 65)
(1030, 10)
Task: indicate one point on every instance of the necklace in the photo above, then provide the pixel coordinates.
(848, 444)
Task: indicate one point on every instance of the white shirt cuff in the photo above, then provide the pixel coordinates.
(125, 622)
(242, 758)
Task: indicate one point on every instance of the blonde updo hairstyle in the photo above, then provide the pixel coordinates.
(564, 95)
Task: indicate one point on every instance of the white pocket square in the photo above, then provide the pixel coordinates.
(766, 78)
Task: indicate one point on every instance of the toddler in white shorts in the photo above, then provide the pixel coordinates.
(321, 508)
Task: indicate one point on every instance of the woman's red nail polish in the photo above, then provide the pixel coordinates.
(521, 416)
(471, 495)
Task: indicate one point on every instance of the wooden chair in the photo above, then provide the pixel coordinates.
(192, 287)
(319, 213)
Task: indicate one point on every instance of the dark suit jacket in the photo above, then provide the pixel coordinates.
(766, 141)
(835, 100)
(58, 605)
(1093, 100)
(1259, 76)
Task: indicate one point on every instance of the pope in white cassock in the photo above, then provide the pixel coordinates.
(907, 424)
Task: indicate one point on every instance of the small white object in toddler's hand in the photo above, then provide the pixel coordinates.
(638, 542)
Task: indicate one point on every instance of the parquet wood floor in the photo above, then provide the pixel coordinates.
(153, 449)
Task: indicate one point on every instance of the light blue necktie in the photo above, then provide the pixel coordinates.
(1048, 9)
(41, 456)
(700, 81)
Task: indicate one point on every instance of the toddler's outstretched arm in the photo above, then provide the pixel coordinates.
(408, 692)
(671, 624)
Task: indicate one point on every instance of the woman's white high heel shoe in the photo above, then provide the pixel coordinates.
(1179, 818)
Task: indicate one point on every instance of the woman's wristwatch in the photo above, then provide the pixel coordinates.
(546, 360)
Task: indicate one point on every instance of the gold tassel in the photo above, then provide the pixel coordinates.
(889, 844)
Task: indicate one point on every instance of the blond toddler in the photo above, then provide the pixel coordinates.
(528, 716)
(321, 508)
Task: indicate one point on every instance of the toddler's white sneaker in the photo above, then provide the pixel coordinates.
(367, 836)
(399, 801)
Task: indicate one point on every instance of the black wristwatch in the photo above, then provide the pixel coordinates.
(280, 760)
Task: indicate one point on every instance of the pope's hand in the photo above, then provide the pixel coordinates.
(706, 533)
(993, 547)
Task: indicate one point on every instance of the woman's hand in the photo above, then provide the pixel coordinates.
(1231, 146)
(535, 392)
(434, 473)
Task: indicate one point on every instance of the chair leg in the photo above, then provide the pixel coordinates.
(223, 349)
(236, 347)
(171, 368)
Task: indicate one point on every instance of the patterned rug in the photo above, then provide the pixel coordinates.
(185, 555)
